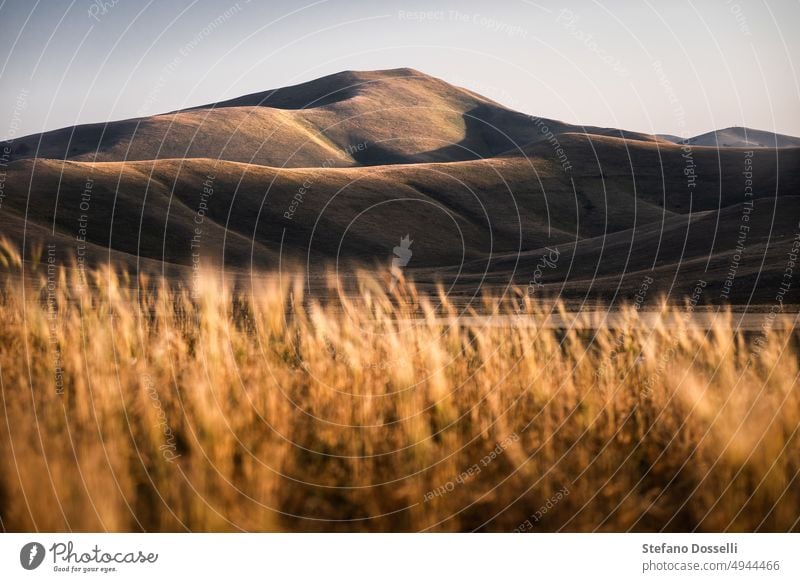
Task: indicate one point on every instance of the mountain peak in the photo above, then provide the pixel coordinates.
(368, 74)
(329, 89)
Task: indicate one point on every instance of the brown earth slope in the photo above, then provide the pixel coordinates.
(338, 170)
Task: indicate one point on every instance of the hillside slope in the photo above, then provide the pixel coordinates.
(350, 118)
(335, 172)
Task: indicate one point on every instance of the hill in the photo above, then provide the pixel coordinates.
(744, 137)
(336, 171)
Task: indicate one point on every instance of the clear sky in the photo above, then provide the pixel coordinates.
(680, 66)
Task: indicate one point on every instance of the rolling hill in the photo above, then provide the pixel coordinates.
(337, 170)
(744, 137)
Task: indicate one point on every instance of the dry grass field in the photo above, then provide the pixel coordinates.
(134, 405)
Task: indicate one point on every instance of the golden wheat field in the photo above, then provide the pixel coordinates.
(137, 405)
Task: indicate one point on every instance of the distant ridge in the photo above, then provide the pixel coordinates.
(742, 137)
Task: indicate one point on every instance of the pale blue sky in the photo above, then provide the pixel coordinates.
(722, 62)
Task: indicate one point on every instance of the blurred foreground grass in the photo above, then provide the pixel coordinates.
(143, 406)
